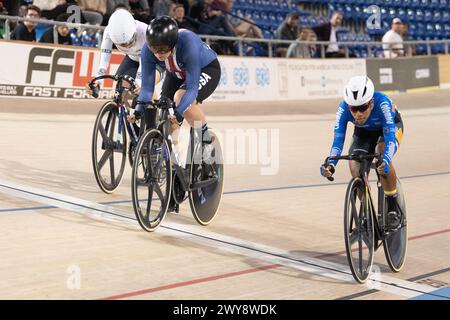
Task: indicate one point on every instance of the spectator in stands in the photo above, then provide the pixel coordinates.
(26, 31)
(3, 8)
(247, 28)
(300, 49)
(93, 10)
(327, 32)
(392, 40)
(53, 8)
(62, 32)
(406, 37)
(180, 18)
(186, 5)
(113, 5)
(140, 10)
(288, 30)
(13, 7)
(161, 7)
(211, 21)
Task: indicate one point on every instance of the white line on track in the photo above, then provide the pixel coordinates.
(201, 236)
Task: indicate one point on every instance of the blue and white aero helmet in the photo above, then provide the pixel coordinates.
(358, 91)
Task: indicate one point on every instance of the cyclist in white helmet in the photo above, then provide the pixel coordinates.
(129, 37)
(378, 128)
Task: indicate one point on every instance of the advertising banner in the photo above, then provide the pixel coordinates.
(34, 70)
(37, 70)
(401, 74)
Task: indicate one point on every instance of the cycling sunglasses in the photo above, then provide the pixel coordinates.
(361, 108)
(160, 50)
(129, 43)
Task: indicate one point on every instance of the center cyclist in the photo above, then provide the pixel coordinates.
(192, 74)
(378, 128)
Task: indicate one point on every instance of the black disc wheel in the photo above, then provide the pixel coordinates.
(395, 242)
(205, 201)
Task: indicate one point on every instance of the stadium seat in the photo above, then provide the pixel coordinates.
(444, 4)
(428, 16)
(40, 29)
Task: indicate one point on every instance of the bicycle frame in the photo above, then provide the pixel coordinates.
(118, 99)
(364, 170)
(183, 173)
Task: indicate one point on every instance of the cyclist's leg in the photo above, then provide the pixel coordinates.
(128, 67)
(170, 86)
(150, 114)
(363, 142)
(209, 80)
(389, 182)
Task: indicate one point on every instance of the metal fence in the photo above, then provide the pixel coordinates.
(371, 46)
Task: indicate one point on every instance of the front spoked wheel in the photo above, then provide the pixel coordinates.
(395, 242)
(109, 148)
(151, 180)
(358, 230)
(205, 201)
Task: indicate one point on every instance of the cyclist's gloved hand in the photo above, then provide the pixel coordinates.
(383, 167)
(179, 117)
(138, 112)
(327, 171)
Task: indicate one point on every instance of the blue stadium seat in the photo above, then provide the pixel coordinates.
(410, 14)
(406, 3)
(443, 4)
(397, 3)
(437, 16)
(428, 16)
(419, 15)
(434, 4)
(439, 31)
(392, 13)
(401, 13)
(413, 30)
(445, 16)
(420, 29)
(357, 12)
(430, 31)
(424, 4)
(447, 30)
(415, 4)
(40, 29)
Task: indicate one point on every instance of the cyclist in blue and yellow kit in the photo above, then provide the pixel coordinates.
(378, 128)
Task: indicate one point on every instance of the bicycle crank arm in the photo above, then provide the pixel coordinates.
(203, 184)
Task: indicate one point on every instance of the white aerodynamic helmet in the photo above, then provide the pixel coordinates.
(358, 91)
(121, 26)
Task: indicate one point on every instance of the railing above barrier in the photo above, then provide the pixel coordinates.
(408, 47)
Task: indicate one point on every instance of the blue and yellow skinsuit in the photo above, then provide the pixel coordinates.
(384, 121)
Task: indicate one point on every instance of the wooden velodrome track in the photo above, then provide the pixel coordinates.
(279, 233)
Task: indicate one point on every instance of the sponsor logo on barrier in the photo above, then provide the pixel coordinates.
(241, 76)
(8, 90)
(422, 73)
(75, 61)
(262, 76)
(223, 77)
(51, 92)
(386, 75)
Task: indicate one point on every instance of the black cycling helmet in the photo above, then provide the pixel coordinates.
(162, 32)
